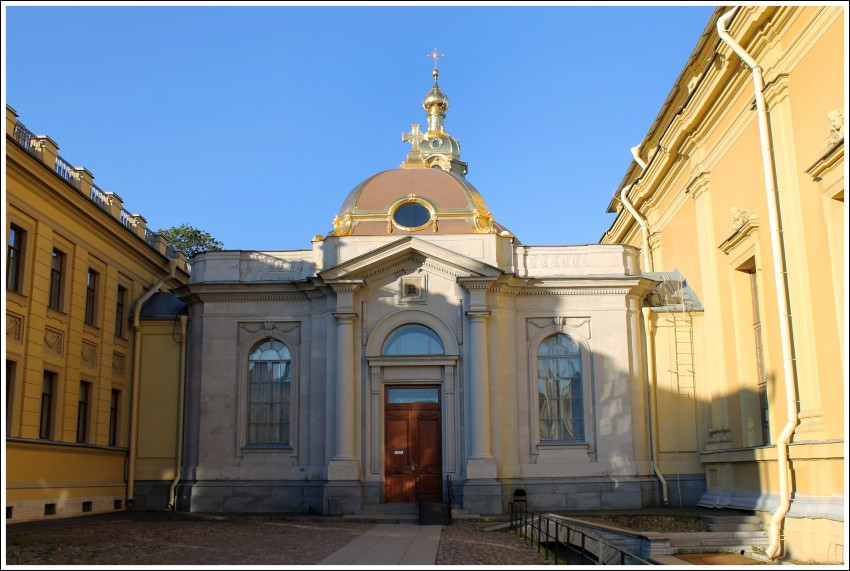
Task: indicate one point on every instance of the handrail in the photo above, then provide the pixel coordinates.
(577, 546)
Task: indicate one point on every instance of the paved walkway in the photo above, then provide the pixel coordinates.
(391, 544)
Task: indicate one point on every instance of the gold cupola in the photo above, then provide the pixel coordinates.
(434, 149)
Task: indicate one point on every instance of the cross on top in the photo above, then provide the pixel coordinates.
(436, 56)
(414, 137)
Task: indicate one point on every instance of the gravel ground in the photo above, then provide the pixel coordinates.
(467, 543)
(172, 540)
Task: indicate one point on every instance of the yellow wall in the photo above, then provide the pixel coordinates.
(712, 163)
(56, 213)
(158, 400)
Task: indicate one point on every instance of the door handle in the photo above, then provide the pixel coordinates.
(413, 465)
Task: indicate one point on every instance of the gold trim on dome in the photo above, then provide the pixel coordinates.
(343, 226)
(483, 222)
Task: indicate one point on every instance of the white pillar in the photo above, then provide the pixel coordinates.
(481, 464)
(344, 464)
(479, 393)
(344, 387)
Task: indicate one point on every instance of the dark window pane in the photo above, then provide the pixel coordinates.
(412, 215)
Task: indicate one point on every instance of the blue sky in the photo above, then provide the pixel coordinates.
(254, 122)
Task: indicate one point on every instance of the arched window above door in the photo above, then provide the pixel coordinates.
(413, 339)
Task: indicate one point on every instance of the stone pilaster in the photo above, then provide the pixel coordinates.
(344, 464)
(482, 493)
(719, 433)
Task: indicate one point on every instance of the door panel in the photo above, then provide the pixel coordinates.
(428, 456)
(413, 461)
(400, 479)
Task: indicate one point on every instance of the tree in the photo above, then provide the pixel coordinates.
(190, 240)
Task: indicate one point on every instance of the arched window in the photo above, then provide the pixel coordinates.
(560, 389)
(413, 339)
(268, 393)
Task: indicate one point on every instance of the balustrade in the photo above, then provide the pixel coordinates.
(30, 142)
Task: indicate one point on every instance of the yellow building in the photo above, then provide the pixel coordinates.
(78, 268)
(736, 199)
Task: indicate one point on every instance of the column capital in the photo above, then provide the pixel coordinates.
(344, 316)
(345, 286)
(699, 185)
(344, 290)
(478, 315)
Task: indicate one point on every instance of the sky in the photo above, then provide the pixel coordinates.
(253, 123)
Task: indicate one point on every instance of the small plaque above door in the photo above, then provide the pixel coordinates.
(413, 395)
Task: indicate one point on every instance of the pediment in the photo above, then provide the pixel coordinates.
(410, 249)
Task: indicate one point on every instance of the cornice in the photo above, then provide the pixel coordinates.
(749, 226)
(827, 161)
(103, 225)
(215, 297)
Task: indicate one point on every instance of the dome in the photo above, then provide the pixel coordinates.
(436, 98)
(406, 201)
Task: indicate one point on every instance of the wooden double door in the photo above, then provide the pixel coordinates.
(413, 448)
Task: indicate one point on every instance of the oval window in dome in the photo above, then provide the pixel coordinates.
(412, 215)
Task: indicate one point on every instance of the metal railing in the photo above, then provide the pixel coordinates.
(26, 139)
(99, 197)
(565, 543)
(64, 169)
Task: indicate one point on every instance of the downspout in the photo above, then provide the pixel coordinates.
(137, 370)
(181, 387)
(647, 266)
(653, 405)
(774, 548)
(650, 347)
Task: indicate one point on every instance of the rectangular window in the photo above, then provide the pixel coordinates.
(48, 394)
(11, 367)
(119, 311)
(560, 389)
(268, 393)
(91, 296)
(762, 381)
(57, 280)
(84, 411)
(15, 259)
(114, 403)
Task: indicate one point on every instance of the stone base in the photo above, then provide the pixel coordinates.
(482, 496)
(481, 469)
(342, 498)
(344, 470)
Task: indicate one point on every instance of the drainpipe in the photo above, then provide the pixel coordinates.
(650, 347)
(774, 548)
(653, 406)
(137, 372)
(181, 384)
(647, 264)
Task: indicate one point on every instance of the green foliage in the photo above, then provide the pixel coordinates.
(190, 240)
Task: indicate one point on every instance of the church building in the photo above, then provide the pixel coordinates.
(418, 351)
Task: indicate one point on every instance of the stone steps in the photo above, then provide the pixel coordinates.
(736, 522)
